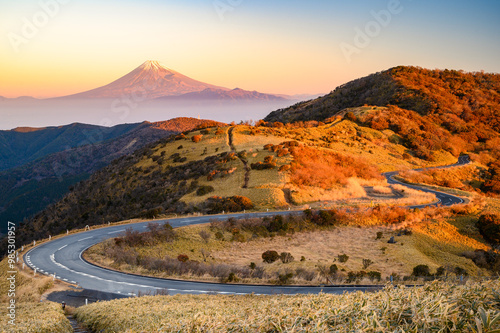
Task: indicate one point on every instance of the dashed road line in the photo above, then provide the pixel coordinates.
(115, 232)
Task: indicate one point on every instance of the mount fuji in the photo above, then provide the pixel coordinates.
(152, 80)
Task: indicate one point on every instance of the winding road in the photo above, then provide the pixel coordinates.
(62, 257)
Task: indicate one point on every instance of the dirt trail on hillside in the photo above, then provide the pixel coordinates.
(243, 160)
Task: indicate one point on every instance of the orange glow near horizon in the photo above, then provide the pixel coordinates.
(273, 47)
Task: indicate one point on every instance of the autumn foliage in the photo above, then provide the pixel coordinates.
(325, 169)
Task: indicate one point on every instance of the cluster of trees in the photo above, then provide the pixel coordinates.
(489, 227)
(492, 183)
(237, 203)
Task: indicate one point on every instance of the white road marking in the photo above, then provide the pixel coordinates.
(85, 238)
(62, 247)
(52, 258)
(115, 232)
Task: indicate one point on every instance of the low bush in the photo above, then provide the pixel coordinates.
(286, 257)
(367, 263)
(203, 190)
(182, 258)
(374, 275)
(421, 271)
(215, 205)
(270, 256)
(343, 258)
(196, 138)
(489, 227)
(285, 278)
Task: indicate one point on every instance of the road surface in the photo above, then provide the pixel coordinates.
(62, 257)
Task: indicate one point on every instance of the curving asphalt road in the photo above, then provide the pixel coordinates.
(444, 199)
(62, 257)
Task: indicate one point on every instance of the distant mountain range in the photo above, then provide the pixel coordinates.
(41, 164)
(152, 80)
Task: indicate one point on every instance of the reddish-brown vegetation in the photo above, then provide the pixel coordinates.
(489, 227)
(321, 168)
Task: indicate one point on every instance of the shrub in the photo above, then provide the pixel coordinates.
(460, 271)
(333, 269)
(351, 117)
(219, 235)
(286, 257)
(205, 235)
(374, 275)
(302, 258)
(182, 258)
(421, 270)
(232, 277)
(367, 263)
(252, 265)
(284, 167)
(270, 256)
(489, 227)
(379, 234)
(285, 278)
(237, 237)
(440, 271)
(196, 138)
(277, 224)
(205, 189)
(235, 203)
(343, 258)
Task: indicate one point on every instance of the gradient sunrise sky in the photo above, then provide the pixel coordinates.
(278, 46)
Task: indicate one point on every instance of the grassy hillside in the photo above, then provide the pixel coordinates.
(232, 251)
(434, 307)
(31, 314)
(428, 109)
(22, 145)
(208, 170)
(29, 189)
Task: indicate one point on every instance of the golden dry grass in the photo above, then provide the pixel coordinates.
(463, 177)
(31, 314)
(438, 239)
(437, 306)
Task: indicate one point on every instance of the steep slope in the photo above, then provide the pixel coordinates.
(433, 109)
(27, 190)
(472, 99)
(150, 80)
(230, 169)
(23, 145)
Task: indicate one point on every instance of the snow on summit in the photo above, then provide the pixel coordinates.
(150, 80)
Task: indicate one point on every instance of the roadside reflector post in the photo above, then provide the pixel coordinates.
(50, 237)
(23, 265)
(67, 232)
(34, 274)
(22, 248)
(86, 301)
(34, 243)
